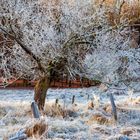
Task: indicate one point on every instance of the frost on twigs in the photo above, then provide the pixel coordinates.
(76, 38)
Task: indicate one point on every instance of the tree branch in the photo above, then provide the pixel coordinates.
(25, 48)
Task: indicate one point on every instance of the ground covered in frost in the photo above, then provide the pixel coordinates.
(88, 118)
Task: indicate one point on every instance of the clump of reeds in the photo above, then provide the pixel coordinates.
(58, 110)
(37, 129)
(99, 118)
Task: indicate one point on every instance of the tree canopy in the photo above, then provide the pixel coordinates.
(58, 38)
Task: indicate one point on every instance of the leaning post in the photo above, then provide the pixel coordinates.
(114, 110)
(35, 110)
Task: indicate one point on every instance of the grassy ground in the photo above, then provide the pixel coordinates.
(89, 118)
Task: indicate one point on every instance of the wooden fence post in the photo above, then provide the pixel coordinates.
(35, 110)
(73, 99)
(88, 97)
(114, 110)
(56, 102)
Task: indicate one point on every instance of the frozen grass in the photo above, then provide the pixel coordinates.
(89, 118)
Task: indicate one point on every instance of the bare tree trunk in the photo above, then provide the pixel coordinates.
(40, 91)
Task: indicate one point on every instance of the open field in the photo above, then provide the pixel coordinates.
(82, 120)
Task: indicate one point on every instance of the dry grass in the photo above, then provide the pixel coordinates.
(79, 121)
(127, 131)
(90, 105)
(57, 110)
(107, 108)
(37, 129)
(100, 119)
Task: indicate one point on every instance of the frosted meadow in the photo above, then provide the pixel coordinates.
(47, 41)
(82, 120)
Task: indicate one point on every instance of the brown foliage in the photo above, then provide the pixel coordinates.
(90, 105)
(36, 129)
(117, 12)
(56, 110)
(99, 118)
(127, 131)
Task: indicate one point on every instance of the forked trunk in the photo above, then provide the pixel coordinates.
(40, 90)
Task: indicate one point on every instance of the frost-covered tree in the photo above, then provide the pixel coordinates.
(44, 40)
(116, 58)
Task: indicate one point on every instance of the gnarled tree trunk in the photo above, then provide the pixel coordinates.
(40, 89)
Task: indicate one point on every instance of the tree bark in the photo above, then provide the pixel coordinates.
(40, 90)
